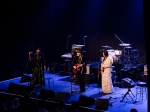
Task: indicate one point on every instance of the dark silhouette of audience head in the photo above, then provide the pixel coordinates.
(133, 110)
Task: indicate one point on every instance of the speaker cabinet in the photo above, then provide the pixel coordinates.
(128, 83)
(18, 89)
(54, 68)
(102, 104)
(89, 78)
(88, 68)
(25, 78)
(86, 101)
(13, 87)
(46, 94)
(144, 78)
(65, 96)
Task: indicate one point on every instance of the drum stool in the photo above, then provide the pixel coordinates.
(50, 79)
(141, 89)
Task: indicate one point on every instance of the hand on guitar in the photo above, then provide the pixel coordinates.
(76, 67)
(102, 68)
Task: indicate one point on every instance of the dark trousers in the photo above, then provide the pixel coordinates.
(37, 76)
(80, 79)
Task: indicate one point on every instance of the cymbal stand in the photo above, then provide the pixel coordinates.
(123, 47)
(128, 61)
(67, 43)
(27, 72)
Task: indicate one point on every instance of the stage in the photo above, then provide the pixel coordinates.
(62, 83)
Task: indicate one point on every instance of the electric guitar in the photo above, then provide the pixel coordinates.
(77, 68)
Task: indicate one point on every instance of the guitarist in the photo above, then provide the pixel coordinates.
(79, 69)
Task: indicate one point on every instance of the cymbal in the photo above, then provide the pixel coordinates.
(106, 46)
(79, 45)
(134, 50)
(124, 44)
(128, 47)
(110, 50)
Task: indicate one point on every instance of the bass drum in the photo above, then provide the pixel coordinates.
(112, 57)
(118, 52)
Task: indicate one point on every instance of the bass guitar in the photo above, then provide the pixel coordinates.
(76, 68)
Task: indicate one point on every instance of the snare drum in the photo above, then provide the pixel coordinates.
(118, 52)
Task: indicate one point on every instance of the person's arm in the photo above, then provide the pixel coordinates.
(83, 63)
(30, 56)
(108, 63)
(44, 62)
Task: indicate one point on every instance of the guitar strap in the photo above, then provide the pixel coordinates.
(80, 60)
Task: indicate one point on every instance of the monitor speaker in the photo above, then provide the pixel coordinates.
(85, 101)
(102, 104)
(65, 96)
(46, 94)
(127, 83)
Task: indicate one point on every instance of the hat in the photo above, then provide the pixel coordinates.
(78, 51)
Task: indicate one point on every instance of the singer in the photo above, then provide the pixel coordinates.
(39, 66)
(107, 86)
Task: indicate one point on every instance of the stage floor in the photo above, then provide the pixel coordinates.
(62, 84)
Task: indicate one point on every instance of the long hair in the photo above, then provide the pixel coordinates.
(106, 54)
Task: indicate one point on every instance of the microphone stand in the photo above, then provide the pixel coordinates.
(86, 54)
(84, 39)
(67, 44)
(67, 60)
(118, 39)
(72, 75)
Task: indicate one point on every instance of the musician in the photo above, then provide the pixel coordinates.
(106, 68)
(39, 66)
(79, 69)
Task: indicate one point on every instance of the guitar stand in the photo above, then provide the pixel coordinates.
(127, 93)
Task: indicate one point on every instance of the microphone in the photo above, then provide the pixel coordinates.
(84, 36)
(69, 36)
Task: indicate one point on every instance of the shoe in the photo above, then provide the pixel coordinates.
(105, 93)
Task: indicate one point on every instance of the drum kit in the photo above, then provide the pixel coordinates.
(127, 56)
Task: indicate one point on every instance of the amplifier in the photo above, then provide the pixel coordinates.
(145, 69)
(88, 69)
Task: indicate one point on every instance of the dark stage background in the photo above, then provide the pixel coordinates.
(26, 25)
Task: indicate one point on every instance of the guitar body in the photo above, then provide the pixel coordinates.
(77, 68)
